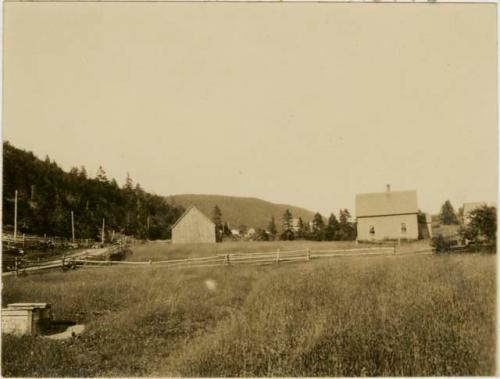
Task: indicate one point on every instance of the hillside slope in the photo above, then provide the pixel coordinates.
(236, 211)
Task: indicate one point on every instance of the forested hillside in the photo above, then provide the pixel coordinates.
(47, 195)
(236, 211)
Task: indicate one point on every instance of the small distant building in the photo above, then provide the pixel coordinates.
(468, 208)
(193, 227)
(250, 233)
(387, 215)
(295, 225)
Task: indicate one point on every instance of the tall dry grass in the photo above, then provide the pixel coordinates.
(157, 251)
(422, 315)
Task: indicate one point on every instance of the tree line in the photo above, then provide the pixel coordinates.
(335, 229)
(47, 195)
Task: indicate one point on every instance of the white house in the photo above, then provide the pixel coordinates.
(387, 215)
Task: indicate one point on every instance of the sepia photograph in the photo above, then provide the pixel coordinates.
(249, 189)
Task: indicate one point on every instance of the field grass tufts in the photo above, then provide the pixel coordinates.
(404, 316)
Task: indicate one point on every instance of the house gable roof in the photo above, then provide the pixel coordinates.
(386, 203)
(192, 208)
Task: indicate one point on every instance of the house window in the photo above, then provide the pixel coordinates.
(403, 227)
(372, 230)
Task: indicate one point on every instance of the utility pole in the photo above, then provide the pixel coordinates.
(15, 216)
(102, 232)
(73, 226)
(147, 221)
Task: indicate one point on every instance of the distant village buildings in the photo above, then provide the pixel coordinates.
(387, 215)
(193, 227)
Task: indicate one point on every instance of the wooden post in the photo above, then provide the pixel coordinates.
(102, 232)
(15, 216)
(62, 260)
(73, 226)
(16, 268)
(308, 254)
(227, 259)
(278, 255)
(23, 239)
(147, 222)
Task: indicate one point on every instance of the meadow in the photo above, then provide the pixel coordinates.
(157, 251)
(352, 316)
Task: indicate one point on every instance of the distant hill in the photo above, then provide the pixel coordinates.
(252, 212)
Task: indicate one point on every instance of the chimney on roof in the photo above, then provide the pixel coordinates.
(388, 186)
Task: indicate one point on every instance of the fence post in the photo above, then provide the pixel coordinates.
(16, 268)
(278, 255)
(227, 259)
(62, 260)
(308, 254)
(23, 239)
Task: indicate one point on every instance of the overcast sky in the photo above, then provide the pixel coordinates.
(306, 104)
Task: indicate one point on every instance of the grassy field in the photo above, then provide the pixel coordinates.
(157, 251)
(412, 315)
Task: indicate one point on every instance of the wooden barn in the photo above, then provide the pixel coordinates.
(193, 227)
(388, 215)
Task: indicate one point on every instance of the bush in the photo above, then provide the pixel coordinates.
(441, 245)
(120, 254)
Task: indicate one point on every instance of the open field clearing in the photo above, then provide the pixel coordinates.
(352, 316)
(157, 251)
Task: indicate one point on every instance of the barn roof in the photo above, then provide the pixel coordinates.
(191, 208)
(386, 203)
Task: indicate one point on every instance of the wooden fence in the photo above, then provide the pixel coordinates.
(232, 259)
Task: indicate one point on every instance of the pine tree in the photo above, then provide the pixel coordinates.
(129, 183)
(287, 220)
(287, 232)
(217, 219)
(447, 215)
(272, 228)
(318, 231)
(331, 228)
(101, 175)
(346, 229)
(300, 228)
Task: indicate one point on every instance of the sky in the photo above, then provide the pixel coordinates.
(304, 104)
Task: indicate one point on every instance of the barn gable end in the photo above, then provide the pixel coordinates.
(193, 227)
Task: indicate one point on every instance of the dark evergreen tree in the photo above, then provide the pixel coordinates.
(332, 227)
(217, 219)
(448, 215)
(272, 228)
(287, 232)
(318, 229)
(346, 229)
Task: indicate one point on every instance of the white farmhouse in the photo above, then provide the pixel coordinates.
(387, 215)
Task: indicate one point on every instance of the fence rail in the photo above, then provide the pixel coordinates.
(264, 258)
